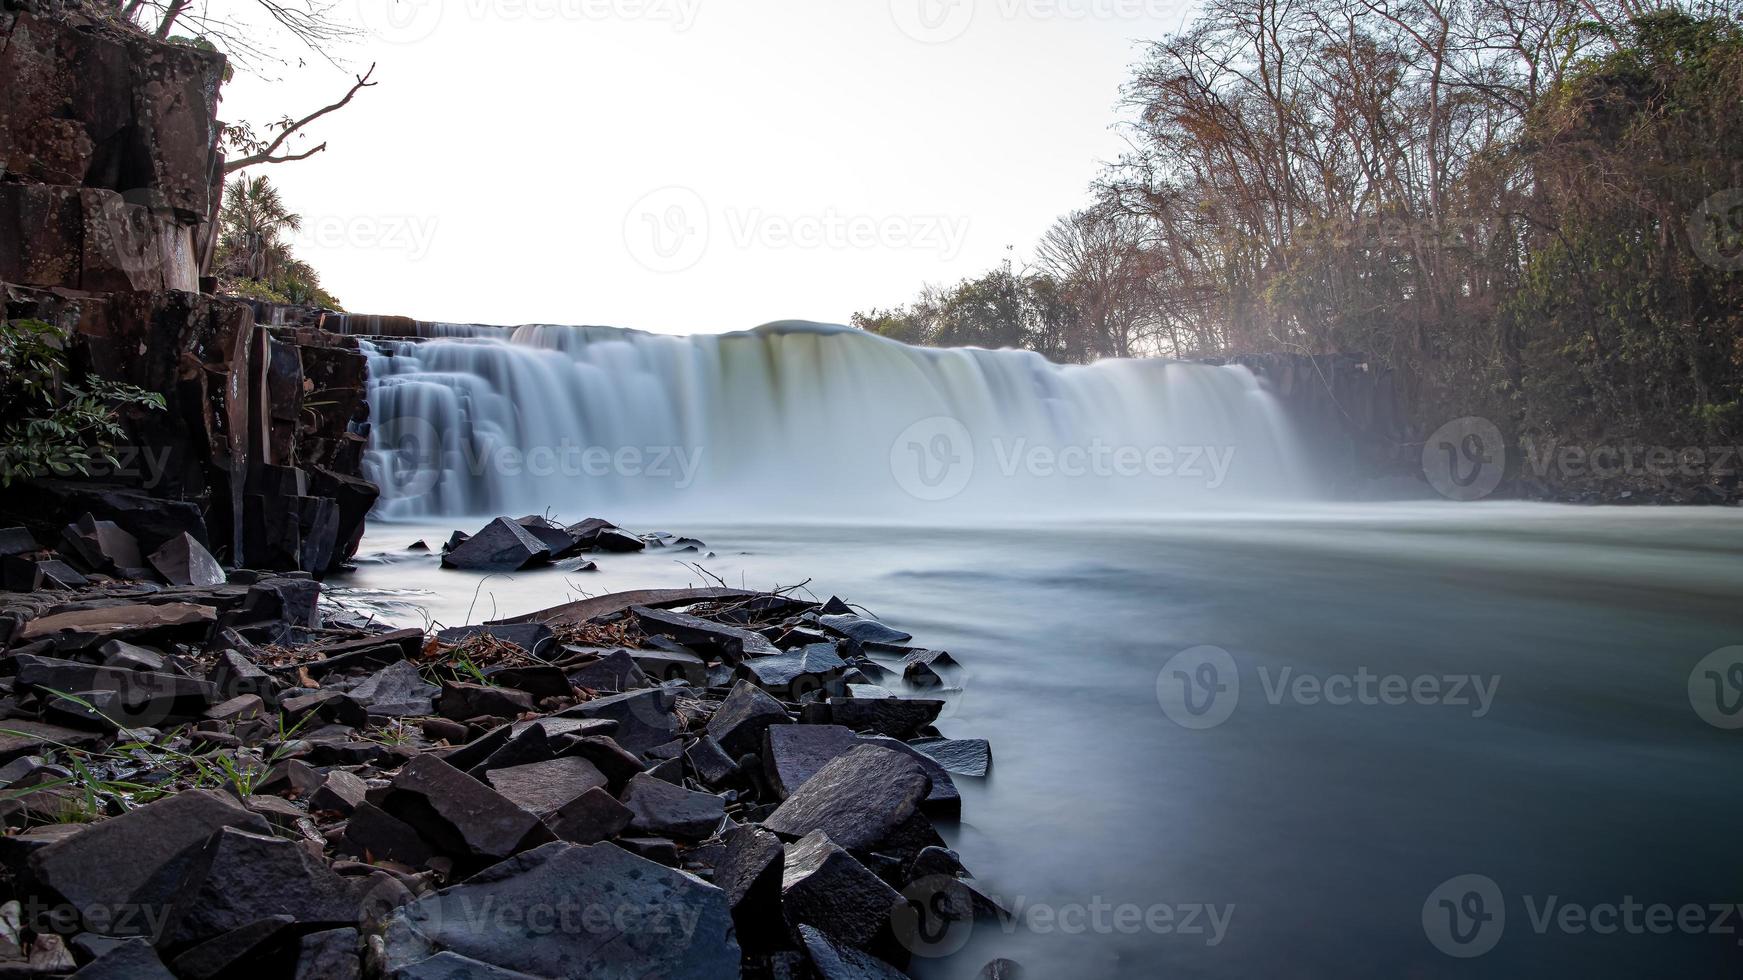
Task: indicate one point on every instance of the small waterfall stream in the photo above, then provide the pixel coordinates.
(804, 420)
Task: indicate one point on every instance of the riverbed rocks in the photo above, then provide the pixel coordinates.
(378, 786)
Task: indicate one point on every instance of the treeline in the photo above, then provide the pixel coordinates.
(1530, 207)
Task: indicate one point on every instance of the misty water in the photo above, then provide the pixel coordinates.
(1421, 692)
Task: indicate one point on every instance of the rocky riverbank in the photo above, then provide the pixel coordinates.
(226, 777)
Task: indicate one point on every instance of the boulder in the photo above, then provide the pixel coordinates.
(661, 809)
(792, 755)
(184, 561)
(239, 878)
(592, 817)
(131, 960)
(823, 886)
(17, 541)
(749, 871)
(138, 857)
(502, 546)
(644, 718)
(963, 756)
(238, 951)
(395, 691)
(710, 762)
(329, 955)
(544, 788)
(899, 718)
(860, 799)
(616, 671)
(815, 664)
(834, 961)
(103, 547)
(339, 792)
(459, 815)
(462, 700)
(660, 922)
(376, 835)
(553, 536)
(740, 721)
(602, 535)
(863, 632)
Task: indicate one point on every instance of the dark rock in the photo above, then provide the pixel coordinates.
(530, 743)
(131, 960)
(749, 871)
(1001, 969)
(243, 708)
(833, 961)
(644, 718)
(184, 561)
(612, 759)
(863, 632)
(340, 792)
(292, 777)
(534, 638)
(656, 849)
(442, 729)
(137, 857)
(233, 676)
(544, 788)
(368, 652)
(378, 836)
(558, 541)
(603, 535)
(157, 624)
(672, 665)
(662, 809)
(235, 951)
(795, 672)
(22, 736)
(823, 886)
(397, 690)
(462, 700)
(592, 817)
(860, 799)
(539, 680)
(932, 861)
(794, 754)
(710, 762)
(21, 575)
(727, 642)
(418, 545)
(616, 671)
(836, 607)
(329, 955)
(17, 541)
(963, 756)
(117, 653)
(459, 814)
(579, 878)
(502, 546)
(455, 540)
(899, 718)
(329, 705)
(452, 966)
(102, 546)
(739, 723)
(239, 878)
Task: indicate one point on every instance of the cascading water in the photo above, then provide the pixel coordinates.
(801, 419)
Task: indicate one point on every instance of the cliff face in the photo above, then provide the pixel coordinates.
(110, 177)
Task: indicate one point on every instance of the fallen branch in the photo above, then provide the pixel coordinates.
(266, 155)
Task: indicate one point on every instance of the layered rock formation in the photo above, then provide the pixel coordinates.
(110, 182)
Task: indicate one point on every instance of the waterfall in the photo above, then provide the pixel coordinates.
(801, 420)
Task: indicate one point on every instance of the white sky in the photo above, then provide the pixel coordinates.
(693, 166)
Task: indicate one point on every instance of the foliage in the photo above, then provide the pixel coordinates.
(50, 425)
(254, 259)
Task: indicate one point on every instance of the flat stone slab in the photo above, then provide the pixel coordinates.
(963, 756)
(543, 788)
(859, 798)
(664, 810)
(566, 910)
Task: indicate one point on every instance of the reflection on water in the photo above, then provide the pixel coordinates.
(1312, 831)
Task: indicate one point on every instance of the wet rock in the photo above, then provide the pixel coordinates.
(329, 955)
(860, 799)
(592, 817)
(544, 788)
(863, 632)
(377, 835)
(644, 718)
(816, 665)
(704, 636)
(792, 755)
(963, 756)
(502, 546)
(534, 638)
(458, 814)
(239, 878)
(899, 718)
(739, 723)
(749, 871)
(834, 961)
(1001, 969)
(397, 690)
(602, 535)
(184, 561)
(616, 671)
(665, 810)
(823, 886)
(137, 857)
(132, 960)
(568, 876)
(933, 861)
(556, 539)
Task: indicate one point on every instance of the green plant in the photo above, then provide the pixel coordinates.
(53, 426)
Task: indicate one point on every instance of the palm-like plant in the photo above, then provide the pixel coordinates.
(254, 221)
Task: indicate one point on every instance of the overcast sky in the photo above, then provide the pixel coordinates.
(693, 166)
